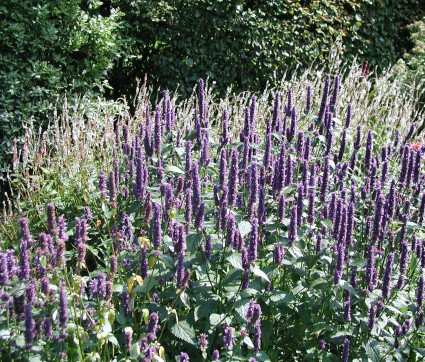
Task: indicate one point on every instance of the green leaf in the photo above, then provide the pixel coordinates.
(258, 272)
(185, 332)
(241, 307)
(19, 288)
(174, 169)
(281, 297)
(216, 319)
(192, 135)
(244, 228)
(372, 351)
(193, 242)
(205, 308)
(235, 260)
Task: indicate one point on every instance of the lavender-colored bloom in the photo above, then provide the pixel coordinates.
(222, 169)
(215, 355)
(113, 264)
(188, 210)
(372, 317)
(224, 140)
(112, 190)
(257, 338)
(339, 263)
(404, 258)
(108, 291)
(47, 327)
(322, 344)
(253, 241)
(417, 167)
(102, 183)
(324, 99)
(347, 311)
(420, 293)
(4, 272)
(156, 227)
(152, 326)
(308, 100)
(245, 281)
(230, 229)
(29, 327)
(357, 142)
(370, 267)
(204, 160)
(348, 118)
(342, 146)
(318, 243)
(62, 229)
(51, 220)
(292, 236)
(386, 289)
(233, 179)
(203, 342)
(419, 319)
(281, 208)
(245, 259)
(45, 287)
(157, 137)
(126, 304)
(63, 308)
(128, 335)
(278, 254)
(184, 357)
(208, 248)
(81, 248)
(346, 351)
(25, 231)
(228, 338)
(87, 214)
(199, 219)
(24, 272)
(300, 205)
(196, 188)
(267, 151)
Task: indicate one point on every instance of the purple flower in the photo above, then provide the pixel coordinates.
(215, 355)
(29, 327)
(348, 118)
(253, 241)
(372, 317)
(24, 272)
(152, 326)
(47, 327)
(204, 160)
(126, 304)
(208, 248)
(230, 230)
(113, 264)
(108, 291)
(4, 272)
(324, 99)
(224, 140)
(357, 142)
(196, 188)
(228, 338)
(292, 236)
(253, 191)
(128, 333)
(278, 254)
(112, 190)
(339, 263)
(203, 342)
(318, 243)
(51, 220)
(184, 357)
(157, 137)
(102, 183)
(420, 293)
(63, 308)
(347, 311)
(325, 180)
(156, 227)
(257, 337)
(180, 270)
(386, 289)
(322, 344)
(199, 219)
(233, 179)
(404, 258)
(346, 351)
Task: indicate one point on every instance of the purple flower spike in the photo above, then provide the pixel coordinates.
(208, 248)
(386, 288)
(51, 220)
(228, 338)
(346, 351)
(63, 308)
(215, 355)
(199, 220)
(152, 326)
(184, 357)
(420, 294)
(253, 241)
(29, 327)
(293, 226)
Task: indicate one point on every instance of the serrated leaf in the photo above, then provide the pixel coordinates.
(347, 286)
(193, 241)
(231, 276)
(192, 135)
(241, 307)
(174, 169)
(215, 319)
(327, 223)
(205, 308)
(259, 273)
(372, 351)
(185, 332)
(281, 297)
(318, 281)
(245, 228)
(235, 260)
(18, 289)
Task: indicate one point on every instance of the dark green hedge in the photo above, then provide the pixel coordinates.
(47, 48)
